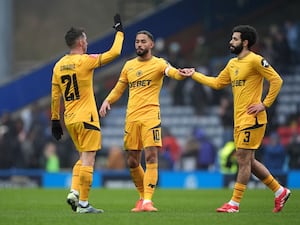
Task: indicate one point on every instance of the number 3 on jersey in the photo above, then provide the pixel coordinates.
(247, 136)
(71, 91)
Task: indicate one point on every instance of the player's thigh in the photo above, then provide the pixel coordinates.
(85, 135)
(151, 131)
(132, 136)
(249, 137)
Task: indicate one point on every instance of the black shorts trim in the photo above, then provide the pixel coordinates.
(157, 126)
(254, 126)
(90, 126)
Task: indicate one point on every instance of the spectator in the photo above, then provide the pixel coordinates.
(227, 158)
(176, 59)
(66, 152)
(226, 115)
(206, 152)
(282, 52)
(51, 158)
(274, 154)
(202, 52)
(293, 151)
(266, 49)
(116, 158)
(199, 152)
(189, 155)
(22, 146)
(293, 38)
(160, 48)
(6, 139)
(199, 95)
(170, 152)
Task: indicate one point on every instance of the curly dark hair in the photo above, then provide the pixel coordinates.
(247, 33)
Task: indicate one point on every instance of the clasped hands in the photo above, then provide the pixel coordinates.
(186, 72)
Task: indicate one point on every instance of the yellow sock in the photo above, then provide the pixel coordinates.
(150, 180)
(75, 176)
(238, 192)
(86, 179)
(271, 183)
(137, 175)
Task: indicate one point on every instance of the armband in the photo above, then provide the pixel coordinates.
(167, 71)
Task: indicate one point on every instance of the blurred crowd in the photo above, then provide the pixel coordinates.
(26, 141)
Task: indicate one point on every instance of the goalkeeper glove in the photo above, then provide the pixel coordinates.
(118, 24)
(57, 130)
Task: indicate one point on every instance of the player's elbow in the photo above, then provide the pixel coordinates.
(217, 87)
(116, 53)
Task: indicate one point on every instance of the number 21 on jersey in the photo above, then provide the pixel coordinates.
(71, 91)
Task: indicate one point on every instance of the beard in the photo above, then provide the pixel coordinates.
(236, 49)
(141, 52)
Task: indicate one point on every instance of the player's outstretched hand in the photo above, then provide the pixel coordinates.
(57, 130)
(187, 72)
(118, 23)
(104, 107)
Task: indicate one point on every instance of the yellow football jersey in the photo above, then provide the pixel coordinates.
(144, 80)
(246, 77)
(73, 80)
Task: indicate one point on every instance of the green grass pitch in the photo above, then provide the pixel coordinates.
(182, 207)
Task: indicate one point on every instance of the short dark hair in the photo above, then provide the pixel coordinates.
(247, 33)
(72, 35)
(146, 33)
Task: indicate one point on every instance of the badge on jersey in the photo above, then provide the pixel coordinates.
(265, 63)
(139, 73)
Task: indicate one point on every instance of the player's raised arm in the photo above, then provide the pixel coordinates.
(116, 48)
(118, 23)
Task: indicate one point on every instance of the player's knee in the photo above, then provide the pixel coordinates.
(151, 155)
(132, 162)
(151, 159)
